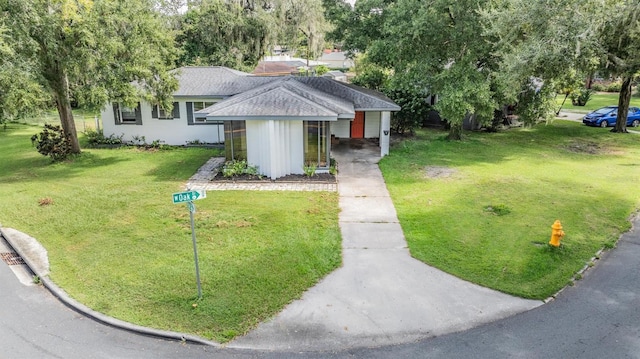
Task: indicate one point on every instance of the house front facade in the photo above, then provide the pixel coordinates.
(278, 124)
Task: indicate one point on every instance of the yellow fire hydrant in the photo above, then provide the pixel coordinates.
(556, 233)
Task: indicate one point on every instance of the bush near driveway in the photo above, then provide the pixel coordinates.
(118, 244)
(564, 171)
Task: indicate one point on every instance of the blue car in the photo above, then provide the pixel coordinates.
(606, 116)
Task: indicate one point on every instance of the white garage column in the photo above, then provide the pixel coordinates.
(385, 132)
(275, 147)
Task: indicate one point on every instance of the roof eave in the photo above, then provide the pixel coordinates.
(390, 109)
(266, 118)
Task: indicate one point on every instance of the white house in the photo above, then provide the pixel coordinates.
(278, 124)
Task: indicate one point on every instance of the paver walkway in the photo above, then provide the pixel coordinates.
(381, 295)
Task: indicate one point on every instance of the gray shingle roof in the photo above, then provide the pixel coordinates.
(283, 97)
(213, 81)
(222, 82)
(363, 99)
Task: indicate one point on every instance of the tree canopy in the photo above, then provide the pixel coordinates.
(237, 33)
(91, 51)
(225, 34)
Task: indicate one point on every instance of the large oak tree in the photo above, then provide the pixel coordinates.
(91, 51)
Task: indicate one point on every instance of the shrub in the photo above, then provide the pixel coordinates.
(614, 87)
(237, 168)
(321, 70)
(97, 138)
(52, 142)
(333, 168)
(581, 97)
(310, 169)
(598, 87)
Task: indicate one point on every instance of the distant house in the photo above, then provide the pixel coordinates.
(336, 60)
(278, 124)
(336, 75)
(278, 68)
(282, 65)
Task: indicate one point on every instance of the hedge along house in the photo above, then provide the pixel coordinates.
(278, 124)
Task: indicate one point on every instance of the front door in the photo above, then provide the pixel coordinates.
(357, 125)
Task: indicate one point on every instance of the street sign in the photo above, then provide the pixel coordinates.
(188, 196)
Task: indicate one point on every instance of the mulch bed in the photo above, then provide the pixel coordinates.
(317, 178)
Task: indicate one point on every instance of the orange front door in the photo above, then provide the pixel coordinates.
(357, 125)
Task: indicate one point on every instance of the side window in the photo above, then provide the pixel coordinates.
(161, 114)
(199, 119)
(127, 115)
(197, 106)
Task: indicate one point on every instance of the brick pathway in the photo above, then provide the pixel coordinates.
(202, 180)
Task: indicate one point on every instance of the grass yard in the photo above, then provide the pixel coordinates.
(482, 208)
(598, 99)
(117, 243)
(85, 120)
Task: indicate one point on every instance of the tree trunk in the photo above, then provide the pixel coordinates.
(455, 131)
(623, 105)
(63, 104)
(562, 104)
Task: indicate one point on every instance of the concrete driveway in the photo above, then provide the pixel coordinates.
(380, 295)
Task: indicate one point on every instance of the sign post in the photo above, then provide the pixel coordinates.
(188, 197)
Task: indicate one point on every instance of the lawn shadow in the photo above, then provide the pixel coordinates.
(42, 169)
(172, 165)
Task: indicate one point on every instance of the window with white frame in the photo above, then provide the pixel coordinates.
(200, 105)
(161, 114)
(126, 115)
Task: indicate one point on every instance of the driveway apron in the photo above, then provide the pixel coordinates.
(380, 295)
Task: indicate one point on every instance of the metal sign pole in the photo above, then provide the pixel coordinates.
(192, 208)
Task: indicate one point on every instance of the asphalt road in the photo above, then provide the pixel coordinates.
(599, 317)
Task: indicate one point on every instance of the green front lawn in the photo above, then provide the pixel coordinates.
(117, 243)
(487, 218)
(598, 99)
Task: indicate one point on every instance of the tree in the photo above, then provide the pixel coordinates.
(92, 51)
(226, 34)
(453, 59)
(547, 39)
(619, 40)
(237, 33)
(302, 17)
(336, 12)
(360, 26)
(20, 93)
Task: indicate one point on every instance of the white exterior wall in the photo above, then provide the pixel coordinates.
(171, 132)
(275, 147)
(341, 128)
(371, 124)
(385, 133)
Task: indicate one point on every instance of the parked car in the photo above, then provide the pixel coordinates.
(606, 116)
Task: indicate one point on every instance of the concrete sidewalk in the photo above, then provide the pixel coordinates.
(381, 295)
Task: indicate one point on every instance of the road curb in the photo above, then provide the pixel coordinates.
(62, 296)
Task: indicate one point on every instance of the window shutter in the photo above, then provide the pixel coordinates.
(116, 114)
(190, 113)
(138, 115)
(154, 111)
(176, 110)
